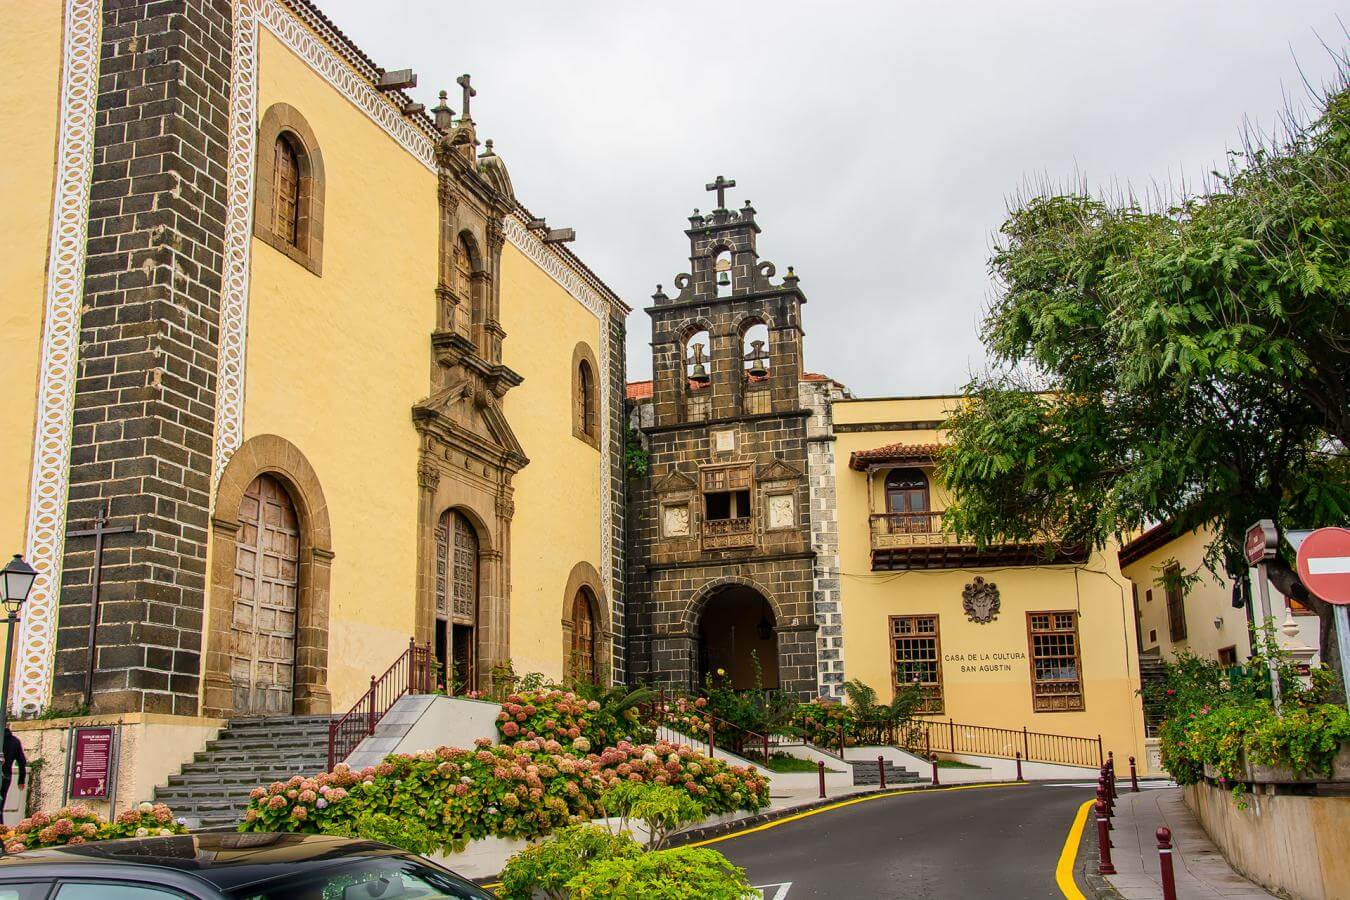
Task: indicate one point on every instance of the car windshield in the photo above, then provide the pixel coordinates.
(375, 879)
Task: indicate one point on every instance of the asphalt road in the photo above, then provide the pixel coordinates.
(1000, 842)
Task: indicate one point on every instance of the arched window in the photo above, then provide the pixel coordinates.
(907, 500)
(286, 192)
(463, 287)
(586, 399)
(722, 273)
(585, 395)
(288, 202)
(581, 666)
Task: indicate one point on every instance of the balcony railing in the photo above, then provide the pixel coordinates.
(916, 529)
(720, 533)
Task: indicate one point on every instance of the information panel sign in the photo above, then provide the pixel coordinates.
(91, 763)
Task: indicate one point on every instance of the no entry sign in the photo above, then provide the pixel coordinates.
(1324, 564)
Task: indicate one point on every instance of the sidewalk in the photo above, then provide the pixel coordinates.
(1201, 871)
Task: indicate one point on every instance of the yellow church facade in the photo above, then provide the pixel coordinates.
(1003, 638)
(296, 346)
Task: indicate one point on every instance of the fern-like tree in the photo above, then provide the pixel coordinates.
(1186, 363)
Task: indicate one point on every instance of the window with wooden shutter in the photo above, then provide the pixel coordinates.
(582, 663)
(916, 656)
(1176, 604)
(1056, 670)
(286, 188)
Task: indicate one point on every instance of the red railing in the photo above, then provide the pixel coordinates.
(660, 715)
(411, 673)
(935, 736)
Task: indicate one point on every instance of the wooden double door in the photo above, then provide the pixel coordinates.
(266, 591)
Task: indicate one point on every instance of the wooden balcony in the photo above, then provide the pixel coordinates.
(721, 534)
(921, 541)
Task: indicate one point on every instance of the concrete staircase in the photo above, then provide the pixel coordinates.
(865, 772)
(212, 790)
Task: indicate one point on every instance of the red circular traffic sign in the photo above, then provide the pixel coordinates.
(1324, 564)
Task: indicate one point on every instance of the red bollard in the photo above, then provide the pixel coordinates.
(1134, 776)
(1169, 881)
(881, 770)
(935, 777)
(1102, 798)
(1111, 774)
(1104, 864)
(1019, 766)
(820, 767)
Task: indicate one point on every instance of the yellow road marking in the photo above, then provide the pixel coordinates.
(1064, 870)
(840, 805)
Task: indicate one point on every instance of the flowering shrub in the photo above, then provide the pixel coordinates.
(820, 719)
(521, 790)
(79, 824)
(144, 820)
(570, 718)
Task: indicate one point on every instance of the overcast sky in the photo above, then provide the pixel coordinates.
(879, 141)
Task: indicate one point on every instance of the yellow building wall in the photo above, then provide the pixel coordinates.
(30, 43)
(986, 667)
(336, 362)
(558, 495)
(1207, 602)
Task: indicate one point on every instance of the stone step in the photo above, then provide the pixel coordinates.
(213, 788)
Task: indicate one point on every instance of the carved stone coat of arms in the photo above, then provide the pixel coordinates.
(980, 599)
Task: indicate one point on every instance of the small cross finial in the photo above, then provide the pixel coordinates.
(720, 185)
(469, 92)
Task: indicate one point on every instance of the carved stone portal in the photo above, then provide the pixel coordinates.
(981, 601)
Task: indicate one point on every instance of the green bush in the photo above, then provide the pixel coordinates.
(685, 873)
(663, 809)
(406, 834)
(523, 790)
(548, 866)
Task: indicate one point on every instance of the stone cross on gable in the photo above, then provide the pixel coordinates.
(469, 92)
(720, 185)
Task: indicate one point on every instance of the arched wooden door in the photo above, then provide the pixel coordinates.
(266, 587)
(581, 665)
(457, 599)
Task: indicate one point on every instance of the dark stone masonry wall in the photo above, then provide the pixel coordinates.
(146, 385)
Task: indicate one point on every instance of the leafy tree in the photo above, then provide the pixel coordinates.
(548, 866)
(664, 810)
(1188, 364)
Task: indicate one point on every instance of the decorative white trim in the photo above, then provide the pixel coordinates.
(552, 262)
(239, 174)
(45, 541)
(353, 85)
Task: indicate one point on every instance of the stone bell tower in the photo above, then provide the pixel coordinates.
(721, 577)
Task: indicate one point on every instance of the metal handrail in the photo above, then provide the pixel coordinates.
(411, 673)
(983, 740)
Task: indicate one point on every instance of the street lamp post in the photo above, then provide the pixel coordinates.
(16, 580)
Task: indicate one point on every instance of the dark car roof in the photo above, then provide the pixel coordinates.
(226, 860)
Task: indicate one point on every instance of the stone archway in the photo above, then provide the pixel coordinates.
(284, 464)
(737, 638)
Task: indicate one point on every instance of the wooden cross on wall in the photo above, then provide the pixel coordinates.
(469, 92)
(98, 532)
(720, 185)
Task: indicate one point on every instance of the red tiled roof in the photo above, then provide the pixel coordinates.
(860, 459)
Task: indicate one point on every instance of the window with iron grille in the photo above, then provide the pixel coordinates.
(916, 655)
(1176, 604)
(1056, 670)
